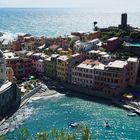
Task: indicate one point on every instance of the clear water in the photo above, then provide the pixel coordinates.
(57, 111)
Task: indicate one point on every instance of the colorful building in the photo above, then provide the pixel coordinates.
(64, 65)
(50, 65)
(21, 66)
(27, 42)
(38, 60)
(87, 36)
(109, 78)
(83, 74)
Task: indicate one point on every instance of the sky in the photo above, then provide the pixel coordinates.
(107, 5)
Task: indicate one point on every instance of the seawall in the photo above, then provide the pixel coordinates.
(86, 91)
(9, 100)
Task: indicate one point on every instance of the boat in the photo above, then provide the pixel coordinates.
(73, 125)
(107, 124)
(131, 114)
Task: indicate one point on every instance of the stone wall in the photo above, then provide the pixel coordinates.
(86, 91)
(30, 93)
(9, 100)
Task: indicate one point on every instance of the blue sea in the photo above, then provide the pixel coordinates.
(56, 112)
(56, 22)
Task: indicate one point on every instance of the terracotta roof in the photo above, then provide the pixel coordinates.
(54, 47)
(91, 62)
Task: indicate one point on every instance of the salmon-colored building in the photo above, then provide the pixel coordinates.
(87, 36)
(111, 79)
(22, 67)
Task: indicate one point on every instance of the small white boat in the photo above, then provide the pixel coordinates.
(131, 114)
(35, 98)
(74, 125)
(106, 125)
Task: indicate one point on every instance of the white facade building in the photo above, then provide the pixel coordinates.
(86, 46)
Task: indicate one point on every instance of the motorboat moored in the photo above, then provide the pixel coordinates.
(73, 125)
(131, 114)
(107, 124)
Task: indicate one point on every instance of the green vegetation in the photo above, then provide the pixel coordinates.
(135, 36)
(81, 132)
(3, 138)
(107, 35)
(121, 56)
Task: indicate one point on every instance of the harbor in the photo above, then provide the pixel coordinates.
(83, 111)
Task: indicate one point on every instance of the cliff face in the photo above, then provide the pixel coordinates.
(9, 100)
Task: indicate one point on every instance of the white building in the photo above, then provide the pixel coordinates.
(86, 46)
(5, 44)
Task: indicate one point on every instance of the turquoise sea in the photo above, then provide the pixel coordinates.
(56, 112)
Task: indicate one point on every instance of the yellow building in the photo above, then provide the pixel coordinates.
(62, 67)
(50, 65)
(68, 53)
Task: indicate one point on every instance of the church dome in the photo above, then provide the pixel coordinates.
(1, 54)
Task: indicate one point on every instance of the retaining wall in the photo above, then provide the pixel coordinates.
(30, 93)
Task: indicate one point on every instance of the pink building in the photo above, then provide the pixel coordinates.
(38, 62)
(22, 67)
(38, 65)
(112, 79)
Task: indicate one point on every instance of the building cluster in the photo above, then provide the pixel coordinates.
(80, 59)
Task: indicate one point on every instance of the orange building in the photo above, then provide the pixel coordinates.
(87, 36)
